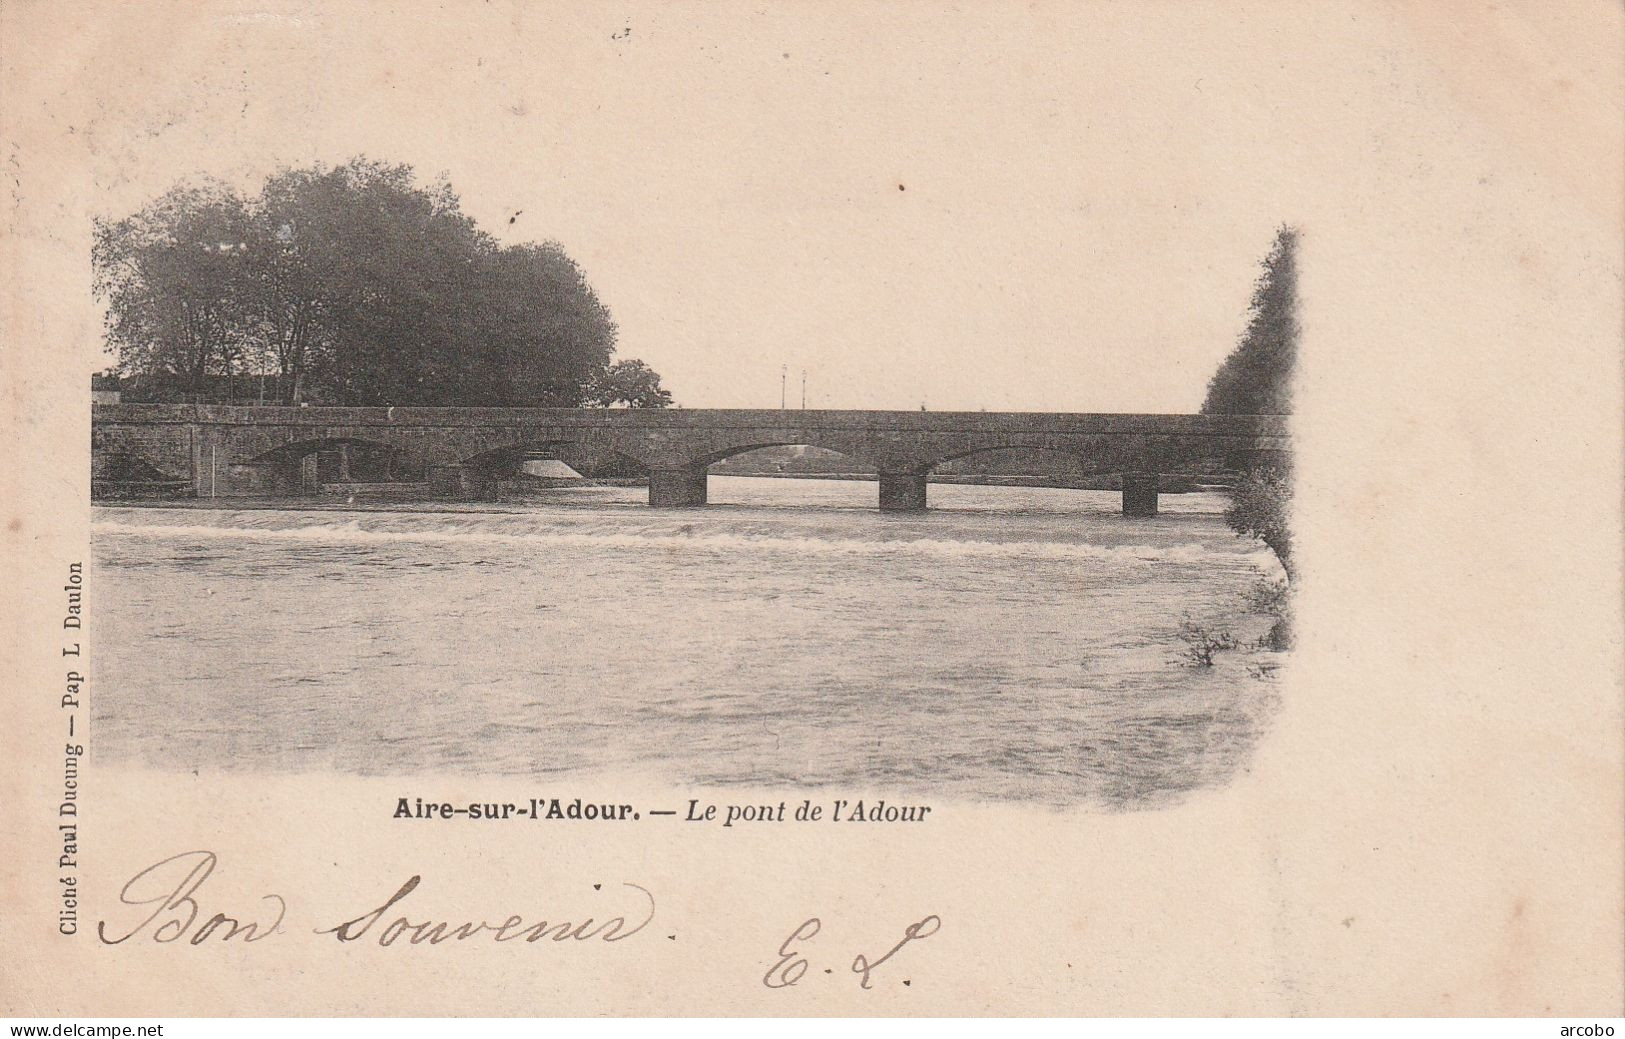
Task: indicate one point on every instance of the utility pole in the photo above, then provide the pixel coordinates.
(803, 389)
(784, 373)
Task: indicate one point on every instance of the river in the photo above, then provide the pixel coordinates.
(1011, 645)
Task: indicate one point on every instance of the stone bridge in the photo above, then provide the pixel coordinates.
(218, 451)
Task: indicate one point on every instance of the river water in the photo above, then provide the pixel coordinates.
(1012, 644)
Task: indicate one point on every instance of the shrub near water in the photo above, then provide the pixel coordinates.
(1258, 508)
(1275, 599)
(1202, 643)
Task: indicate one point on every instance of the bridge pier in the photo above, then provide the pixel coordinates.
(1139, 494)
(902, 492)
(678, 487)
(455, 481)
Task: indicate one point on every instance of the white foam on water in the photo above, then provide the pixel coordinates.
(500, 528)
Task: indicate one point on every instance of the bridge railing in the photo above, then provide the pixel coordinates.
(693, 418)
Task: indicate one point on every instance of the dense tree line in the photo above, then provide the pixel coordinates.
(1256, 379)
(354, 285)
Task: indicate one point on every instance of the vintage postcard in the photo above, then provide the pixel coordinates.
(566, 509)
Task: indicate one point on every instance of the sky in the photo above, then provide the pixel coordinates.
(964, 206)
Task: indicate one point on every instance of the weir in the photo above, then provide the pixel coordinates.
(219, 451)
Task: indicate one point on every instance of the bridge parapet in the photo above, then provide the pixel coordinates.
(697, 418)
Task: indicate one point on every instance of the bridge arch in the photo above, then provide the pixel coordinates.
(789, 460)
(128, 465)
(687, 481)
(306, 465)
(843, 449)
(589, 456)
(130, 474)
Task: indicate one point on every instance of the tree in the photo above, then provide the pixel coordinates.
(630, 383)
(297, 255)
(546, 337)
(1259, 505)
(358, 286)
(174, 279)
(364, 279)
(1256, 379)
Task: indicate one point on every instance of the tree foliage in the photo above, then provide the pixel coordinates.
(1256, 379)
(356, 285)
(173, 277)
(629, 383)
(1259, 506)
